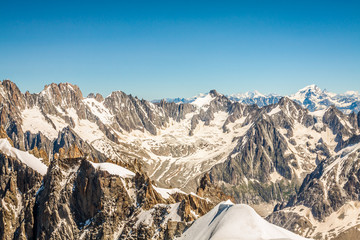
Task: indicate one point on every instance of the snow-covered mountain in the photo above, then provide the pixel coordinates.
(311, 97)
(255, 154)
(177, 144)
(237, 222)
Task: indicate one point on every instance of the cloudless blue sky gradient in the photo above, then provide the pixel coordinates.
(157, 49)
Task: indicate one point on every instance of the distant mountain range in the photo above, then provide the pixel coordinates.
(311, 97)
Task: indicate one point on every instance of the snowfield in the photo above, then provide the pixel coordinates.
(236, 222)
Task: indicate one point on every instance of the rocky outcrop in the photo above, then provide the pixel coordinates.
(98, 97)
(175, 229)
(38, 145)
(18, 187)
(209, 190)
(146, 196)
(291, 221)
(70, 145)
(78, 200)
(11, 102)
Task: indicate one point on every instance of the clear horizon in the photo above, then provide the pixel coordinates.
(85, 94)
(162, 49)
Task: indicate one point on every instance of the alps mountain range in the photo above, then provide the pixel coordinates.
(75, 167)
(310, 97)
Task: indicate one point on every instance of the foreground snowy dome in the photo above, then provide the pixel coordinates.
(236, 221)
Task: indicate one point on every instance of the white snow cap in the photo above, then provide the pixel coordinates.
(235, 222)
(203, 100)
(313, 87)
(351, 93)
(25, 157)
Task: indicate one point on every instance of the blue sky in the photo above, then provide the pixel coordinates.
(157, 49)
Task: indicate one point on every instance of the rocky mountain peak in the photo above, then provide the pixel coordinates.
(284, 101)
(333, 110)
(10, 91)
(91, 95)
(289, 105)
(311, 89)
(9, 85)
(65, 87)
(63, 94)
(214, 93)
(98, 97)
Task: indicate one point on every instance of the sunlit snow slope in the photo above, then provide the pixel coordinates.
(236, 222)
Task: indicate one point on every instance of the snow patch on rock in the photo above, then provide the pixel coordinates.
(114, 169)
(25, 157)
